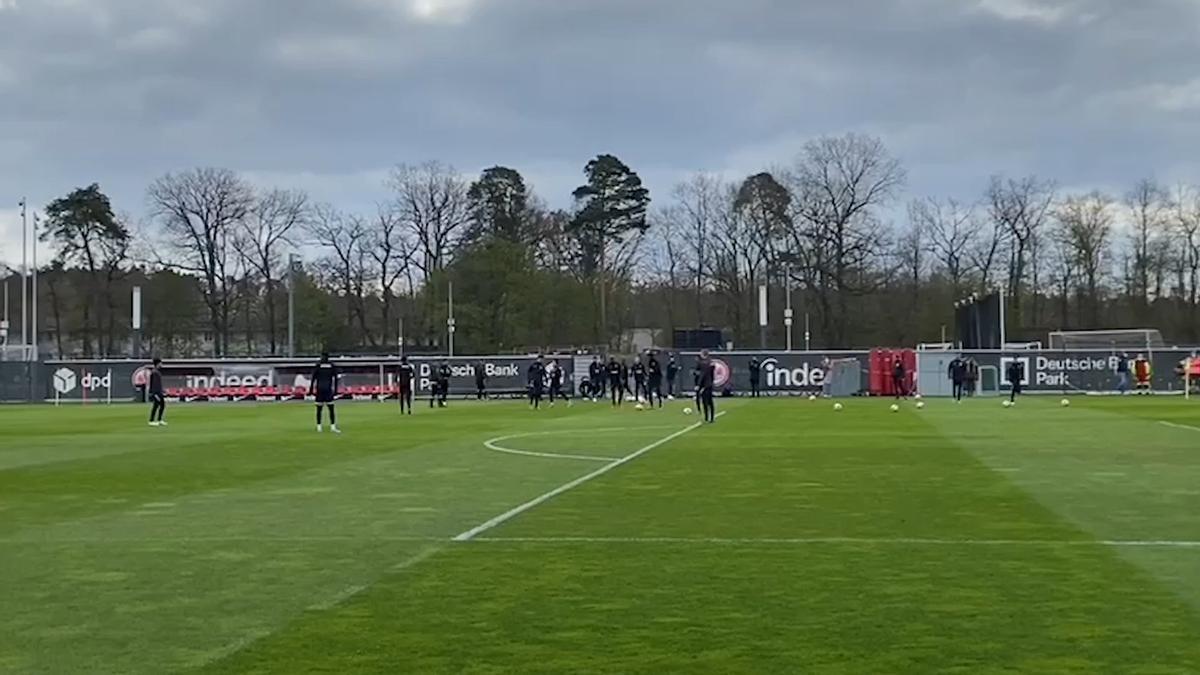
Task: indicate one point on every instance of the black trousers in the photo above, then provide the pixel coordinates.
(614, 389)
(158, 405)
(654, 388)
(1016, 391)
(707, 404)
(959, 388)
(754, 387)
(406, 398)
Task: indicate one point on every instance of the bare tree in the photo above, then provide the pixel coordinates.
(1185, 216)
(950, 233)
(344, 238)
(391, 253)
(261, 240)
(1149, 212)
(1021, 207)
(837, 185)
(199, 211)
(1086, 224)
(700, 202)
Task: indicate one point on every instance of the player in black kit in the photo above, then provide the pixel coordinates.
(672, 373)
(324, 387)
(958, 377)
(705, 381)
(537, 382)
(480, 381)
(156, 395)
(755, 375)
(405, 375)
(596, 378)
(639, 379)
(654, 381)
(614, 381)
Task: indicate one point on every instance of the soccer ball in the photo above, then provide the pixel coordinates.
(917, 396)
(895, 408)
(1066, 403)
(920, 405)
(837, 407)
(1008, 404)
(812, 397)
(687, 411)
(639, 407)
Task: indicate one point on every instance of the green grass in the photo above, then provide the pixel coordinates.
(786, 538)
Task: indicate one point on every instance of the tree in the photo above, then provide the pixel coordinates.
(344, 239)
(261, 239)
(837, 186)
(765, 204)
(391, 253)
(89, 235)
(608, 207)
(1148, 208)
(499, 207)
(950, 231)
(1020, 207)
(700, 204)
(199, 211)
(1086, 225)
(432, 205)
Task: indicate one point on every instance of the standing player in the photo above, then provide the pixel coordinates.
(596, 378)
(405, 375)
(443, 378)
(639, 380)
(1015, 375)
(157, 395)
(624, 378)
(614, 381)
(556, 376)
(480, 381)
(898, 378)
(537, 382)
(672, 373)
(324, 387)
(958, 377)
(654, 377)
(1123, 379)
(972, 377)
(705, 381)
(755, 375)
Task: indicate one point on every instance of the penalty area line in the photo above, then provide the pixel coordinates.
(541, 499)
(869, 541)
(1179, 426)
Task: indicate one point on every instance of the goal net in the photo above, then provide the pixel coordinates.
(1133, 339)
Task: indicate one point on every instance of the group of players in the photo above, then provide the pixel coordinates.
(545, 377)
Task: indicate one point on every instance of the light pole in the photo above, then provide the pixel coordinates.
(450, 320)
(24, 276)
(787, 312)
(293, 262)
(33, 321)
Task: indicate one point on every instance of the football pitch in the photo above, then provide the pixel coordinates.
(487, 538)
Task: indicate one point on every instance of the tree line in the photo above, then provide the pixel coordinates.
(214, 255)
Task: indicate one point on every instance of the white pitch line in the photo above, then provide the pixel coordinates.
(880, 541)
(518, 510)
(494, 444)
(1179, 426)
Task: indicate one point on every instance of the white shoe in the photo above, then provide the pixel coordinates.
(154, 424)
(320, 428)
(162, 423)
(335, 430)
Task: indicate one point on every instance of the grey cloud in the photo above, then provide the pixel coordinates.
(329, 93)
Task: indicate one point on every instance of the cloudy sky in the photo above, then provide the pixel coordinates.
(325, 95)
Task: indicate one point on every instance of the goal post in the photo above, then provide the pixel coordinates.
(1124, 339)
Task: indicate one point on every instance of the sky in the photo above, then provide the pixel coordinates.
(327, 95)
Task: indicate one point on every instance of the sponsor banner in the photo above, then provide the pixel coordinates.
(794, 372)
(123, 380)
(1074, 371)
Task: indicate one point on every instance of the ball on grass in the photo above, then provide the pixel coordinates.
(687, 411)
(639, 407)
(1066, 403)
(1008, 404)
(812, 397)
(895, 408)
(920, 405)
(917, 396)
(837, 407)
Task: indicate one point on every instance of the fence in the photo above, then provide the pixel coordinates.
(782, 373)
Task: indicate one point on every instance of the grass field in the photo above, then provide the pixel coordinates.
(785, 538)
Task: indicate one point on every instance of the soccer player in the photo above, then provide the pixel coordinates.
(898, 378)
(596, 378)
(555, 375)
(672, 373)
(614, 381)
(156, 394)
(706, 380)
(443, 383)
(958, 377)
(654, 380)
(639, 379)
(405, 375)
(1123, 374)
(624, 378)
(1015, 374)
(755, 374)
(537, 382)
(324, 387)
(972, 377)
(480, 381)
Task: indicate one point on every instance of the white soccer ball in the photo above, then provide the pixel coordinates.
(837, 407)
(639, 407)
(917, 396)
(920, 405)
(687, 411)
(895, 408)
(1008, 404)
(1066, 403)
(812, 397)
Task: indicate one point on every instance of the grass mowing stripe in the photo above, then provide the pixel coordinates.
(518, 510)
